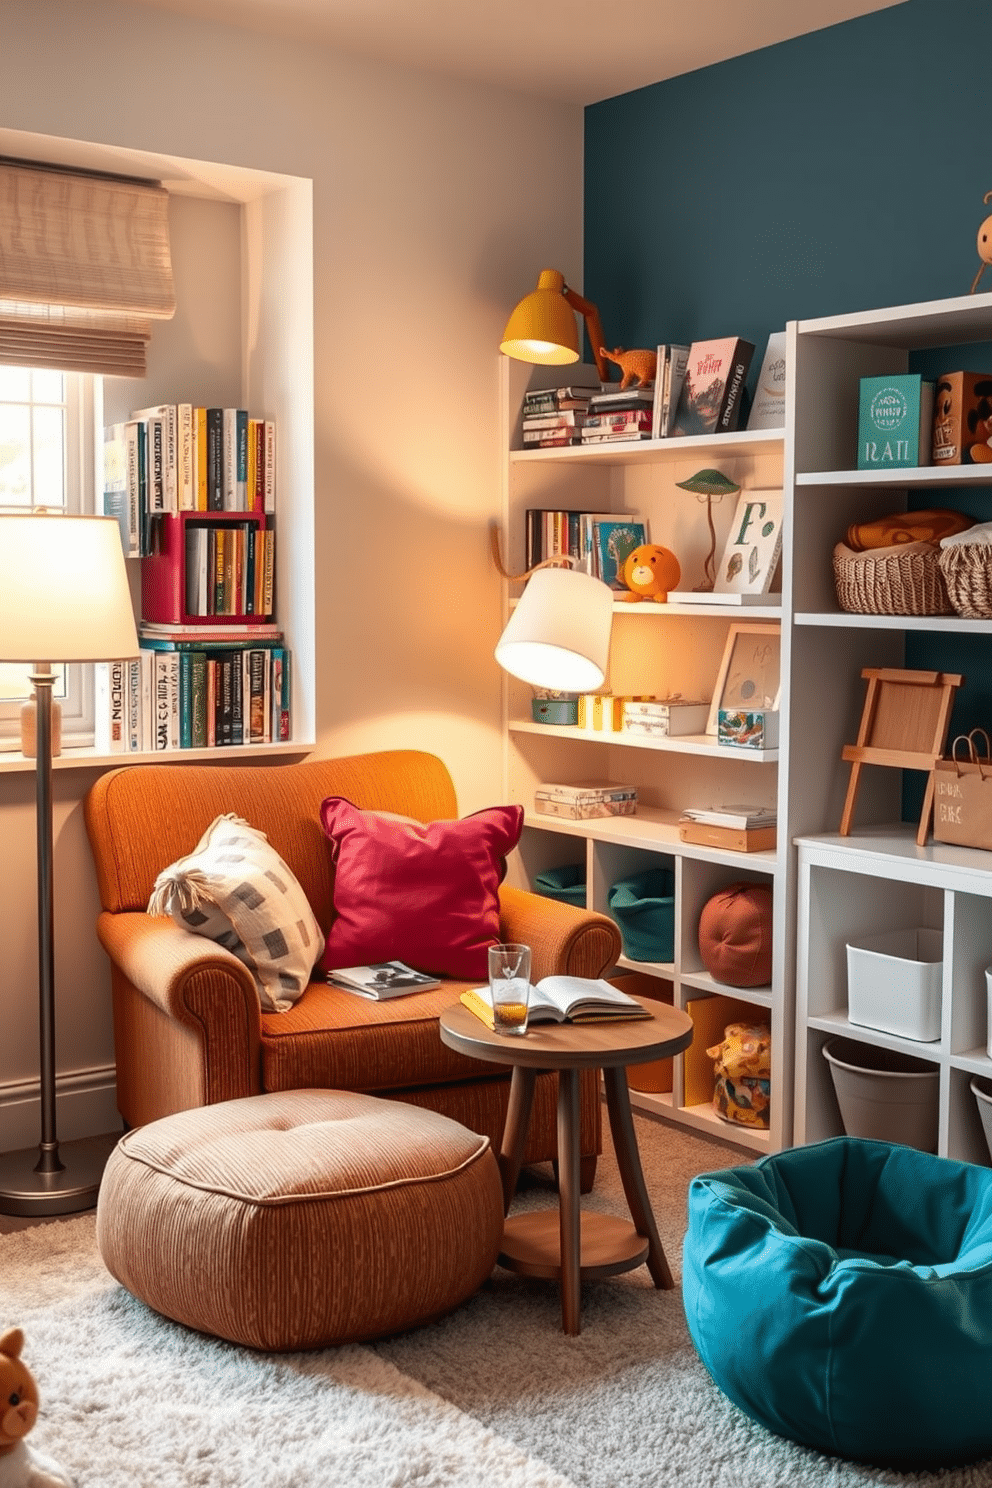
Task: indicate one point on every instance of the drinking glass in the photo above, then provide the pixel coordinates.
(509, 984)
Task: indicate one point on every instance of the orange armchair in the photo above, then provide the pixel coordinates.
(188, 1026)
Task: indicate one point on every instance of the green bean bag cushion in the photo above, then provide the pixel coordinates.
(841, 1295)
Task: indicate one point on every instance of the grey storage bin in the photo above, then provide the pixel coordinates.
(883, 1094)
(981, 1089)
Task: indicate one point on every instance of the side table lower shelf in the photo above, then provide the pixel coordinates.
(607, 1246)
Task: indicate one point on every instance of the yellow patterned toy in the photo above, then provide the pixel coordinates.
(742, 1068)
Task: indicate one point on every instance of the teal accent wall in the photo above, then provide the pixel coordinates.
(835, 172)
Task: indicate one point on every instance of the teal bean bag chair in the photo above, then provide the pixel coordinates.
(841, 1295)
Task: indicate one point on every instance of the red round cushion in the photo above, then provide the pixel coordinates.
(735, 935)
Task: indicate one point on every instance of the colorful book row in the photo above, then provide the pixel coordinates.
(230, 569)
(600, 541)
(179, 696)
(178, 457)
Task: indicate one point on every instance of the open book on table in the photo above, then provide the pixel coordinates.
(564, 999)
(381, 980)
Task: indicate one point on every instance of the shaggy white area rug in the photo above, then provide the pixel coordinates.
(129, 1400)
(495, 1394)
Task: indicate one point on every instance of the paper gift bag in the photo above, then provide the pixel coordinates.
(962, 792)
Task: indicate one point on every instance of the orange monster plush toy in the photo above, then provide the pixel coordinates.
(20, 1466)
(649, 573)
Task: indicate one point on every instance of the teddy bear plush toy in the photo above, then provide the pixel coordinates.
(20, 1465)
(650, 572)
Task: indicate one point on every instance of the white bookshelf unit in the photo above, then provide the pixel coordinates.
(656, 649)
(876, 879)
(880, 880)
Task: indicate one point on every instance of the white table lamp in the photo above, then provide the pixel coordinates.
(64, 597)
(559, 634)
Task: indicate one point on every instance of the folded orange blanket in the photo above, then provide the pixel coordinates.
(906, 527)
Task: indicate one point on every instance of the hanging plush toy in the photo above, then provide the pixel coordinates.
(650, 572)
(20, 1465)
(984, 245)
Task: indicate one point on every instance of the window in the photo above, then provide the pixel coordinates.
(47, 458)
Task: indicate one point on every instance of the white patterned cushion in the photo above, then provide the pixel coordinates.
(235, 889)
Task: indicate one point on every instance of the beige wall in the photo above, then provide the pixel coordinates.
(435, 203)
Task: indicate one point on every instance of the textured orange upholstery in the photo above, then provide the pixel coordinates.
(301, 1220)
(188, 1027)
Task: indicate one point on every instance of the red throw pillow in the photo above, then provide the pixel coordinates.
(423, 894)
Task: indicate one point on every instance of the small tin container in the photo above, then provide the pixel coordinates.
(555, 710)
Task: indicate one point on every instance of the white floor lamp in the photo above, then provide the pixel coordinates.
(64, 597)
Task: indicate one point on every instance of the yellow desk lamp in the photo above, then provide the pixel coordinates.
(542, 328)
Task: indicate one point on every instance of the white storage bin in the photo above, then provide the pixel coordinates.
(893, 983)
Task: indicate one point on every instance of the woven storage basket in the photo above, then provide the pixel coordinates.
(967, 571)
(901, 580)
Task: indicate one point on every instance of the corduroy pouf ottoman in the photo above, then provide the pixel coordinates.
(301, 1219)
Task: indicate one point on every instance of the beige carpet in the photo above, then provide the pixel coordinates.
(494, 1394)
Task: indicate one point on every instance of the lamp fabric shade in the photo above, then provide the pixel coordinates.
(542, 328)
(85, 267)
(64, 593)
(559, 634)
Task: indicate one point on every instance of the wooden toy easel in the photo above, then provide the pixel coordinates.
(904, 724)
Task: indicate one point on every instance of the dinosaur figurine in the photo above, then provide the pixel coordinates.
(639, 366)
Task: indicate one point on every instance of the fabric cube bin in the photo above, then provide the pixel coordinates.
(656, 1076)
(567, 883)
(893, 983)
(644, 909)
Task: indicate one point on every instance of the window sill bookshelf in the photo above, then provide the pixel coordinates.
(681, 744)
(637, 451)
(89, 758)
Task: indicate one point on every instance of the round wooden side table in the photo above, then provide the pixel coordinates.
(580, 1246)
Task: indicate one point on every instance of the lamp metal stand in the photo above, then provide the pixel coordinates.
(709, 563)
(36, 1181)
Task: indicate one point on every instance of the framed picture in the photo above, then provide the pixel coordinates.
(753, 545)
(749, 679)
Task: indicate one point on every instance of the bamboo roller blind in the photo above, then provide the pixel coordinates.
(85, 269)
